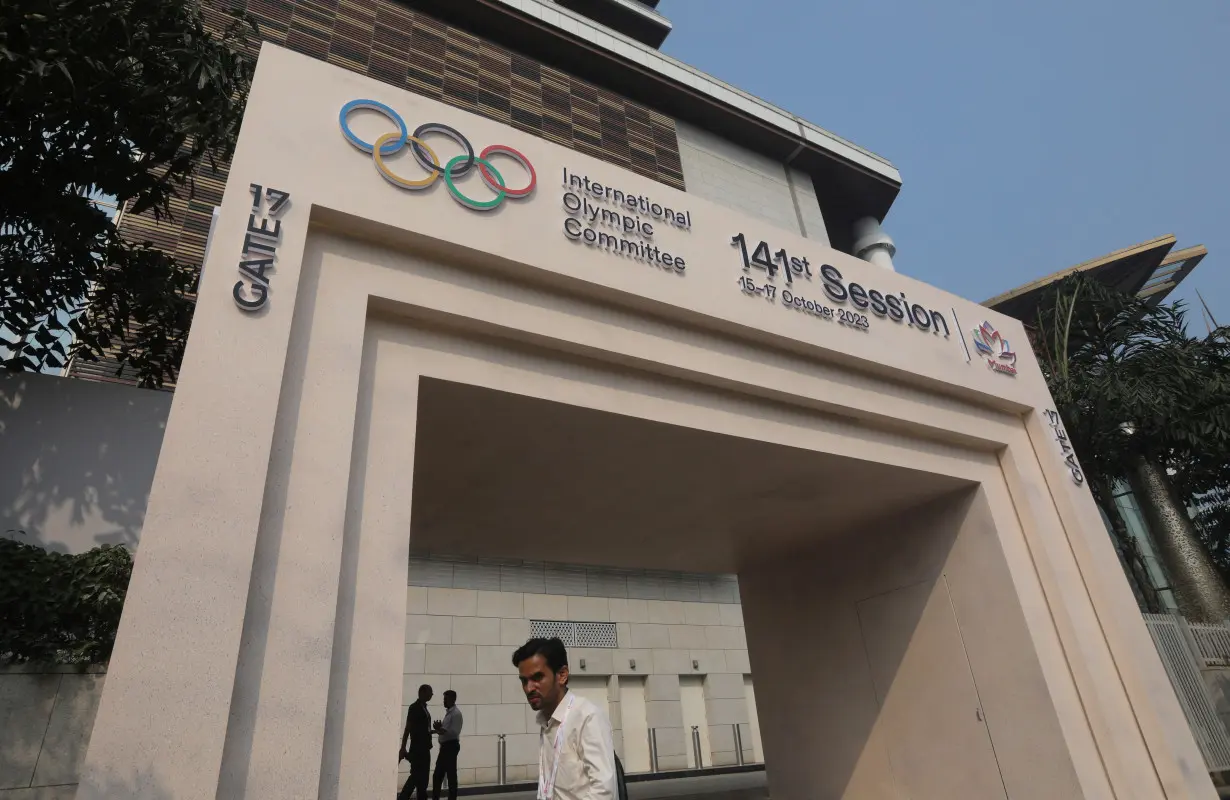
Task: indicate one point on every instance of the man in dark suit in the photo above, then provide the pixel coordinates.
(418, 731)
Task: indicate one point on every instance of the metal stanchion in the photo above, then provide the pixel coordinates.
(653, 749)
(501, 760)
(738, 744)
(696, 747)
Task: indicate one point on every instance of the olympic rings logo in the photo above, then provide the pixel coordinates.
(456, 168)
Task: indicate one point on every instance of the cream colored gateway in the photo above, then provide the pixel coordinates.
(932, 606)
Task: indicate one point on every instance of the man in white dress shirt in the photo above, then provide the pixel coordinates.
(576, 754)
(449, 731)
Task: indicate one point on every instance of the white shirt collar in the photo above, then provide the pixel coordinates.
(557, 716)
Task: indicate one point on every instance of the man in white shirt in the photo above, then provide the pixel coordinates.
(449, 731)
(576, 754)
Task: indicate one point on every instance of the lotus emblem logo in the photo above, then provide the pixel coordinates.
(995, 348)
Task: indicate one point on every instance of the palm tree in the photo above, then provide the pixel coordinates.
(1144, 404)
(1198, 449)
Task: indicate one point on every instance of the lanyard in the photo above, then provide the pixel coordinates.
(546, 785)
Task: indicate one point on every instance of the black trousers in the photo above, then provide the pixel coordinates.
(446, 767)
(420, 766)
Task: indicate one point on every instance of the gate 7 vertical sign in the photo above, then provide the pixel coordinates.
(260, 247)
(1065, 447)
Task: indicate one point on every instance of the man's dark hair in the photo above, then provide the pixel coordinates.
(451, 693)
(552, 650)
(425, 688)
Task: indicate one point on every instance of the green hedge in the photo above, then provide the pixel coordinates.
(57, 608)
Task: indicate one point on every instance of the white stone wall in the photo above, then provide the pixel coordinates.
(464, 619)
(746, 181)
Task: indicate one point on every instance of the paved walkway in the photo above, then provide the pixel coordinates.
(739, 786)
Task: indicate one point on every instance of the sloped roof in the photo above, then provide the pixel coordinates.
(1148, 270)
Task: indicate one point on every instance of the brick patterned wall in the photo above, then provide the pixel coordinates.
(410, 50)
(466, 616)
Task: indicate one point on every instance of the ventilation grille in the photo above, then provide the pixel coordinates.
(577, 634)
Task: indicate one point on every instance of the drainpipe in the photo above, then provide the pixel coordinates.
(872, 244)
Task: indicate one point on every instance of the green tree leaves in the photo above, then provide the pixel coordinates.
(120, 98)
(57, 608)
(1130, 382)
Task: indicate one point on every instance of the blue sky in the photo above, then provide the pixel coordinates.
(1030, 136)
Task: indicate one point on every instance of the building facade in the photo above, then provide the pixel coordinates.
(594, 341)
(537, 356)
(561, 72)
